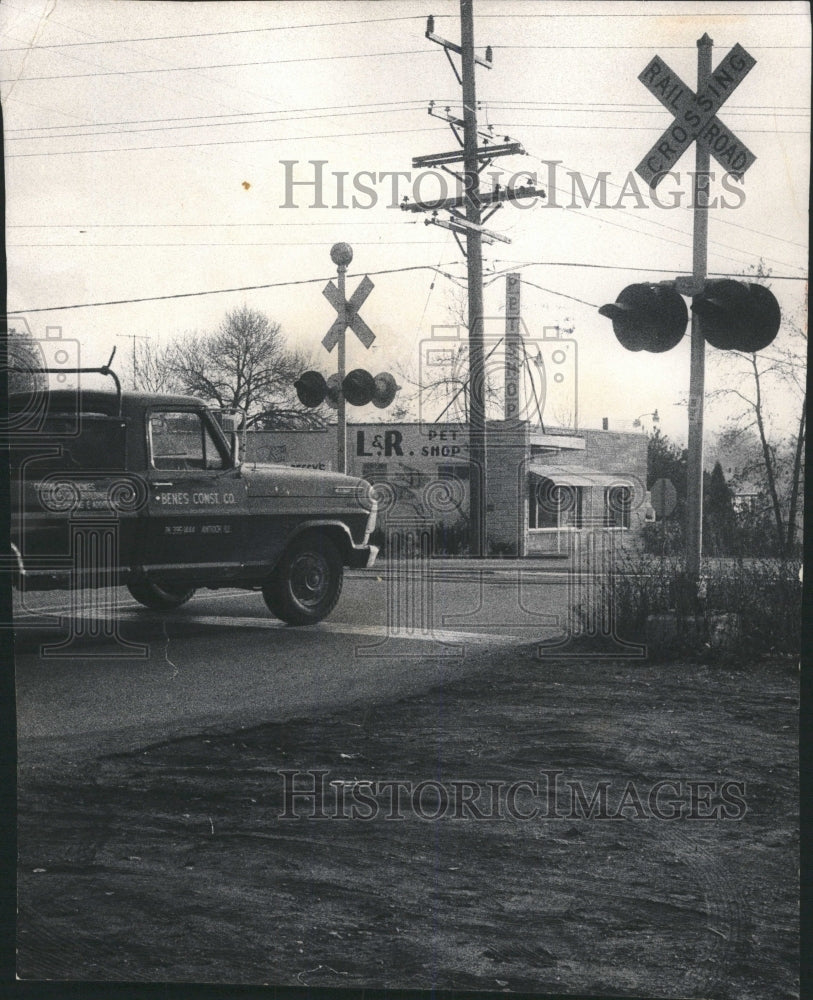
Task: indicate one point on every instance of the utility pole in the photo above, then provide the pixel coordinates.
(341, 255)
(697, 374)
(474, 158)
(474, 262)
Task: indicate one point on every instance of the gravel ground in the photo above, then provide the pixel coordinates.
(177, 863)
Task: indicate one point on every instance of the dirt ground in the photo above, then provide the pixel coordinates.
(178, 864)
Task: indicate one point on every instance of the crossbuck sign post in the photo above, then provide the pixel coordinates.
(347, 315)
(695, 114)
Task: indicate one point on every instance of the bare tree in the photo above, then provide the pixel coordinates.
(22, 360)
(244, 364)
(441, 386)
(754, 379)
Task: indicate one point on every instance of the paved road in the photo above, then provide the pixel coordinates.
(223, 661)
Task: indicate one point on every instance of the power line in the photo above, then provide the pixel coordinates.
(149, 82)
(354, 55)
(626, 267)
(760, 110)
(405, 108)
(274, 243)
(208, 125)
(616, 15)
(686, 243)
(631, 128)
(662, 225)
(189, 69)
(373, 20)
(213, 34)
(397, 270)
(224, 142)
(203, 225)
(223, 291)
(615, 48)
(339, 135)
(388, 223)
(611, 105)
(553, 291)
(235, 114)
(627, 109)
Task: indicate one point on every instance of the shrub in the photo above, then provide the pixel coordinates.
(765, 595)
(447, 539)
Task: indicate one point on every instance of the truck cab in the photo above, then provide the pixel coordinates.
(181, 510)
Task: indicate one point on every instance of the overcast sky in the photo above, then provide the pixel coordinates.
(145, 144)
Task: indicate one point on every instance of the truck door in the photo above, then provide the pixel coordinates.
(197, 503)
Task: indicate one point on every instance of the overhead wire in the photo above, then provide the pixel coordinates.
(788, 111)
(385, 271)
(209, 125)
(222, 291)
(235, 65)
(547, 15)
(337, 108)
(222, 142)
(214, 34)
(654, 222)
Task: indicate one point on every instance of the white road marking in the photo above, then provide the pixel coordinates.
(135, 612)
(343, 628)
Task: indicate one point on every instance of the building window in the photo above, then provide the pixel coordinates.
(617, 506)
(554, 505)
(459, 471)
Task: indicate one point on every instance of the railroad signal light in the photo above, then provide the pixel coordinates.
(358, 388)
(385, 390)
(311, 389)
(736, 315)
(648, 317)
(334, 391)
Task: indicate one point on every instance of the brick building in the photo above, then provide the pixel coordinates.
(542, 486)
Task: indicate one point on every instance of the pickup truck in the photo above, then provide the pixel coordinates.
(150, 492)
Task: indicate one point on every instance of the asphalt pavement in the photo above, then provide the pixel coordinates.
(96, 671)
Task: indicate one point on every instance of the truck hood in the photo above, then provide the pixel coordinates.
(266, 479)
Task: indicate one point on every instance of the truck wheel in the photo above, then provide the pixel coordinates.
(159, 598)
(306, 584)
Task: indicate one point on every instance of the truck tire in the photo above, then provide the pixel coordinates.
(305, 586)
(159, 598)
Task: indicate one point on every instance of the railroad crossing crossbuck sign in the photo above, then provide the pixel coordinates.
(696, 117)
(348, 314)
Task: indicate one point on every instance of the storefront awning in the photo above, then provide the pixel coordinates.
(577, 475)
